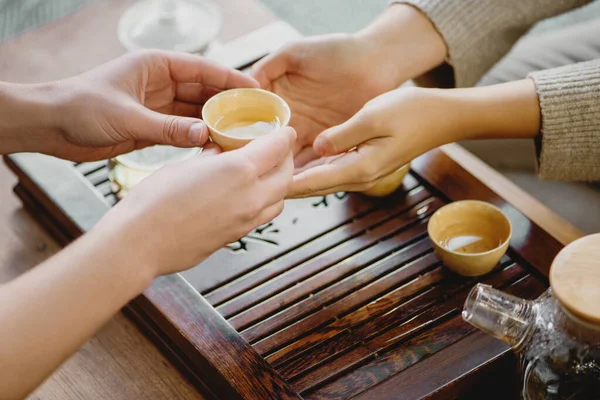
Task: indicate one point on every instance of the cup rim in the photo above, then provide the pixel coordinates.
(484, 203)
(280, 99)
(121, 159)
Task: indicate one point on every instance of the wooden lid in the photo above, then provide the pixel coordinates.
(575, 278)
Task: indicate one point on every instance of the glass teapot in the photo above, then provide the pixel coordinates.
(556, 336)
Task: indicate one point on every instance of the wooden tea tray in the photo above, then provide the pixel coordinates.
(341, 296)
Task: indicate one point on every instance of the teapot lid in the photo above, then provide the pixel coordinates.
(575, 278)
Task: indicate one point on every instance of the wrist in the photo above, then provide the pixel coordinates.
(29, 120)
(508, 110)
(117, 243)
(402, 44)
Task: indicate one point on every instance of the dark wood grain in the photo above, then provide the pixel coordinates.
(388, 331)
(322, 299)
(451, 372)
(332, 269)
(377, 297)
(301, 222)
(210, 344)
(353, 244)
(414, 350)
(291, 259)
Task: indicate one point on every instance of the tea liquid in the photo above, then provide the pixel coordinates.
(471, 244)
(248, 123)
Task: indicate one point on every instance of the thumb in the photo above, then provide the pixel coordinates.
(169, 129)
(342, 138)
(274, 66)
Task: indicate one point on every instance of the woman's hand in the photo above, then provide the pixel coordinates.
(134, 101)
(324, 79)
(387, 133)
(170, 222)
(400, 125)
(327, 79)
(187, 210)
(139, 99)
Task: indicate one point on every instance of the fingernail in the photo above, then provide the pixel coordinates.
(196, 132)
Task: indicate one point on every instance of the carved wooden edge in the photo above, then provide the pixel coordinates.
(43, 187)
(555, 225)
(211, 344)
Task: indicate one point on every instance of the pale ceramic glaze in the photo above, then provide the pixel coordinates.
(388, 184)
(235, 99)
(470, 217)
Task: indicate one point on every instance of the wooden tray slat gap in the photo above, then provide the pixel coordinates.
(353, 320)
(453, 293)
(105, 188)
(209, 291)
(308, 249)
(282, 348)
(390, 319)
(348, 267)
(451, 329)
(332, 274)
(235, 308)
(341, 299)
(404, 330)
(304, 383)
(393, 319)
(419, 348)
(88, 168)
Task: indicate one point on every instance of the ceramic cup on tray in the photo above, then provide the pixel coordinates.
(470, 236)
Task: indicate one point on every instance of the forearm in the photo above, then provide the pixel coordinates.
(50, 311)
(28, 116)
(403, 44)
(508, 110)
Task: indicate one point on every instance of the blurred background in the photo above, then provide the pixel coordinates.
(323, 16)
(310, 17)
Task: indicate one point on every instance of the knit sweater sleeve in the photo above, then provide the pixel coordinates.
(569, 146)
(479, 33)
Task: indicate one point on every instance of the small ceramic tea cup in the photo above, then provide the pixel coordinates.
(236, 117)
(127, 170)
(470, 236)
(388, 184)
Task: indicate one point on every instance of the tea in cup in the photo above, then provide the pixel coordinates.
(236, 117)
(470, 236)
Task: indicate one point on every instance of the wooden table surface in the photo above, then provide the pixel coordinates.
(119, 362)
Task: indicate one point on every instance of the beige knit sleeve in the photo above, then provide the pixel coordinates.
(569, 147)
(479, 33)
